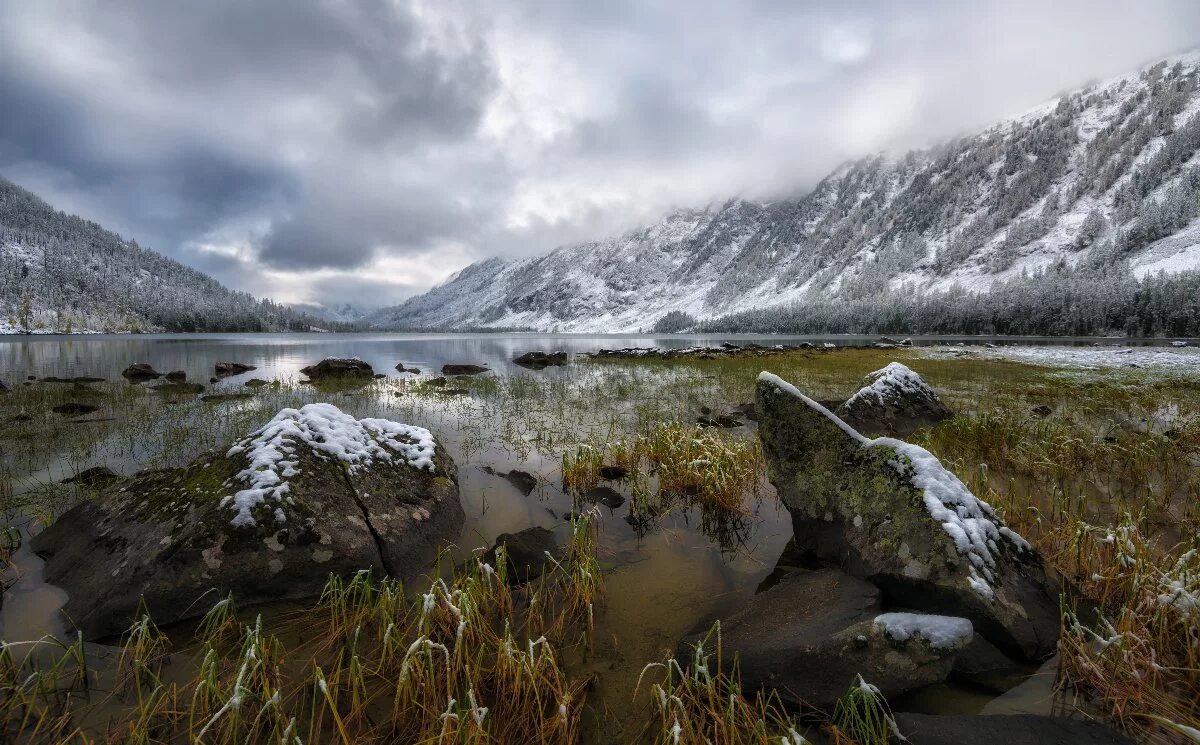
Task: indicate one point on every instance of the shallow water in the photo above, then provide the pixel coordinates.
(658, 585)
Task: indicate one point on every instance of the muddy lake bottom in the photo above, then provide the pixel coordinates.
(663, 577)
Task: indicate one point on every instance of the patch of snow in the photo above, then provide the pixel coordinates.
(887, 384)
(327, 431)
(942, 632)
(1180, 359)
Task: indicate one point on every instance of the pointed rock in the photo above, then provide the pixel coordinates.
(893, 401)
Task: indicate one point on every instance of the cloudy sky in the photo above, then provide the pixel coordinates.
(360, 151)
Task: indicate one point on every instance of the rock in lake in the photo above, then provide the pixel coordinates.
(92, 478)
(610, 498)
(810, 636)
(1004, 729)
(312, 492)
(526, 551)
(889, 512)
(176, 376)
(139, 371)
(894, 401)
(338, 367)
(539, 360)
(414, 370)
(225, 369)
(463, 369)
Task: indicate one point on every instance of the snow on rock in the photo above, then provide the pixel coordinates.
(942, 632)
(330, 433)
(890, 382)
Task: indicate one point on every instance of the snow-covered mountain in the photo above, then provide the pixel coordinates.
(61, 273)
(1107, 177)
(337, 312)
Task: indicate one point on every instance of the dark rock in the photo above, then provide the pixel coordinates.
(178, 389)
(865, 505)
(526, 551)
(746, 410)
(1004, 729)
(985, 666)
(225, 369)
(401, 368)
(463, 369)
(338, 367)
(175, 536)
(255, 383)
(92, 478)
(74, 408)
(810, 636)
(1042, 410)
(3, 387)
(379, 376)
(524, 481)
(214, 380)
(139, 371)
(724, 422)
(82, 379)
(610, 498)
(613, 473)
(539, 360)
(176, 376)
(31, 377)
(213, 398)
(895, 402)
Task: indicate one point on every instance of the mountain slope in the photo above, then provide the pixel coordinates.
(1104, 177)
(59, 272)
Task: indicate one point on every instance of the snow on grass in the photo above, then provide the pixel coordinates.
(1181, 359)
(330, 433)
(942, 632)
(972, 524)
(890, 383)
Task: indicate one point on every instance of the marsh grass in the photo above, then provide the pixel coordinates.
(471, 660)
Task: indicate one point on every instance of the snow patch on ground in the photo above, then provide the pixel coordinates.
(330, 433)
(1183, 359)
(942, 632)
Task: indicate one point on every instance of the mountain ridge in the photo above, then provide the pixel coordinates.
(1105, 176)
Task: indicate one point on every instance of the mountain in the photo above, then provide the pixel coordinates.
(337, 312)
(59, 272)
(1105, 181)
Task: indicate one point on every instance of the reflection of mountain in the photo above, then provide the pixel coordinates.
(1103, 180)
(59, 272)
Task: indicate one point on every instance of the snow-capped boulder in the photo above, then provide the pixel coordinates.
(889, 512)
(810, 636)
(312, 492)
(894, 401)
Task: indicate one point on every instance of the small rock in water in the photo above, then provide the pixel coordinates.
(463, 369)
(139, 371)
(613, 473)
(524, 481)
(526, 551)
(255, 383)
(539, 360)
(176, 376)
(94, 477)
(225, 369)
(610, 498)
(338, 367)
(74, 408)
(401, 368)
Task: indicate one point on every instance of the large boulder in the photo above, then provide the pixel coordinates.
(810, 636)
(313, 492)
(338, 367)
(887, 511)
(1007, 729)
(893, 401)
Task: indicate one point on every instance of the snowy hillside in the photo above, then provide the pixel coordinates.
(1106, 178)
(61, 273)
(337, 312)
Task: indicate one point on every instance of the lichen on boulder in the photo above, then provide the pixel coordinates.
(887, 511)
(312, 492)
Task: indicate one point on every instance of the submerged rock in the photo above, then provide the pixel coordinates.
(139, 371)
(613, 473)
(811, 635)
(524, 481)
(889, 512)
(527, 552)
(894, 401)
(610, 498)
(92, 478)
(225, 369)
(1004, 729)
(255, 383)
(401, 368)
(312, 492)
(539, 360)
(463, 369)
(338, 367)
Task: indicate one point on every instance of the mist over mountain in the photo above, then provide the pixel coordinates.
(1099, 188)
(61, 273)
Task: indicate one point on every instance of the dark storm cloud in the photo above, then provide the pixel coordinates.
(341, 150)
